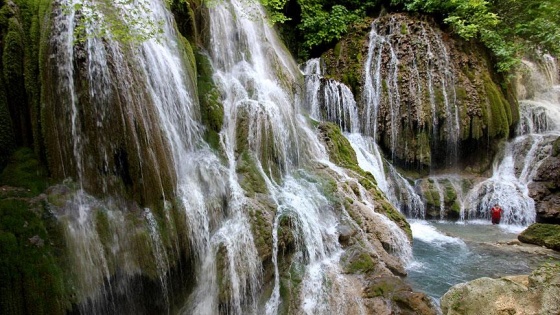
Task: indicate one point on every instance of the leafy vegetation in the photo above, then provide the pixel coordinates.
(508, 28)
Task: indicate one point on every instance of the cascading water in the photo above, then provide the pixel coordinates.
(255, 77)
(338, 99)
(515, 167)
(424, 77)
(151, 90)
(155, 97)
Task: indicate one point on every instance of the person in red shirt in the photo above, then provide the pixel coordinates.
(496, 213)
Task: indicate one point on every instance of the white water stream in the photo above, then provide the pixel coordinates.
(256, 79)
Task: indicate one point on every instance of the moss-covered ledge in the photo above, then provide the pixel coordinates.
(342, 154)
(542, 234)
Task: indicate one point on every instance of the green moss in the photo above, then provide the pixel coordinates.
(455, 210)
(541, 234)
(423, 152)
(12, 55)
(450, 195)
(103, 229)
(141, 248)
(262, 231)
(556, 147)
(31, 280)
(404, 29)
(250, 177)
(7, 137)
(498, 114)
(189, 57)
(461, 94)
(25, 170)
(339, 148)
(211, 107)
(361, 263)
(394, 215)
(392, 288)
(337, 49)
(185, 18)
(351, 80)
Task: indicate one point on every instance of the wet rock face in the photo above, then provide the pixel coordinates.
(538, 293)
(545, 189)
(427, 97)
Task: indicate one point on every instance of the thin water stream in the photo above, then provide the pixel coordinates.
(447, 253)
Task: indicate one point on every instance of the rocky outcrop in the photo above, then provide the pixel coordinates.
(429, 98)
(547, 235)
(372, 236)
(545, 187)
(538, 293)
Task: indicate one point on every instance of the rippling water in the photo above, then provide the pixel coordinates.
(448, 253)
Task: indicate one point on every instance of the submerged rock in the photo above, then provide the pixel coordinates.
(538, 293)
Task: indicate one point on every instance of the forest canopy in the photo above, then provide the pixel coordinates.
(508, 28)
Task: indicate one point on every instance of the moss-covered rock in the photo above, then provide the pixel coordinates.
(31, 275)
(537, 293)
(31, 278)
(7, 137)
(437, 104)
(339, 148)
(541, 234)
(356, 262)
(250, 177)
(211, 107)
(25, 170)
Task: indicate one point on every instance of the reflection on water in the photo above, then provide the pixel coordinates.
(448, 253)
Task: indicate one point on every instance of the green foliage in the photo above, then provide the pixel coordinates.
(535, 23)
(320, 26)
(506, 27)
(319, 22)
(274, 8)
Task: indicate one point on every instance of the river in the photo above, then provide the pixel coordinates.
(448, 253)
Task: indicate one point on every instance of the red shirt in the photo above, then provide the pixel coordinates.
(496, 212)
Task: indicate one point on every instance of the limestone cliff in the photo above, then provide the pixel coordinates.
(436, 99)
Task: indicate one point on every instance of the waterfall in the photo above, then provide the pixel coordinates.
(144, 88)
(515, 167)
(158, 157)
(340, 100)
(394, 72)
(330, 100)
(256, 79)
(397, 190)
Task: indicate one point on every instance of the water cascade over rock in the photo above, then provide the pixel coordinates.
(425, 100)
(190, 180)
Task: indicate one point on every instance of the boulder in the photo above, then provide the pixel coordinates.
(538, 293)
(547, 235)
